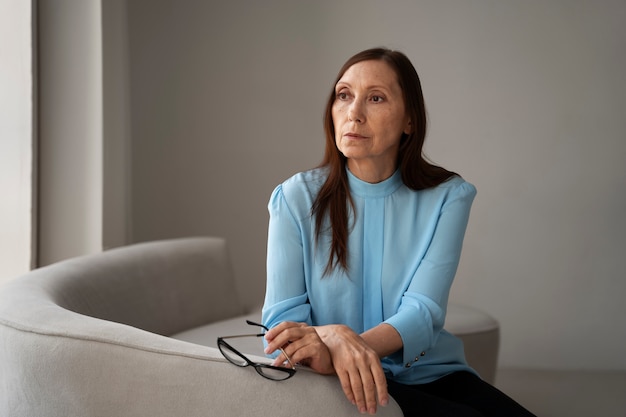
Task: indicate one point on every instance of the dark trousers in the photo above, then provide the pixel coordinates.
(460, 394)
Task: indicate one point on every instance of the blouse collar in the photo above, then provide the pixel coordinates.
(380, 189)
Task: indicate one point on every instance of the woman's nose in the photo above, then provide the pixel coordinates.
(355, 112)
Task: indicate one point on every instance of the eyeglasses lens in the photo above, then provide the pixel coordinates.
(232, 356)
(272, 373)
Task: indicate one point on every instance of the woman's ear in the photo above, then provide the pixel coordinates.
(408, 128)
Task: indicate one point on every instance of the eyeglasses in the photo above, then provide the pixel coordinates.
(275, 373)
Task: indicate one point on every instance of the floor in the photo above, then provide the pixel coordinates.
(566, 393)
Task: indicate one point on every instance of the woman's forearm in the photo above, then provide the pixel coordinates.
(384, 339)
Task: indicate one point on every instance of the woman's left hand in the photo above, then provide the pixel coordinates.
(358, 367)
(334, 349)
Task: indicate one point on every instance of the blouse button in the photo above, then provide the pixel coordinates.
(422, 354)
(408, 365)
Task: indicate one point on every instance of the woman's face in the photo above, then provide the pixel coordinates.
(369, 117)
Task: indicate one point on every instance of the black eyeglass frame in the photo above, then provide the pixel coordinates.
(221, 344)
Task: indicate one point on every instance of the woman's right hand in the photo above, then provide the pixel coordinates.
(302, 344)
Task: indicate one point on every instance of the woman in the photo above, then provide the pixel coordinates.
(362, 252)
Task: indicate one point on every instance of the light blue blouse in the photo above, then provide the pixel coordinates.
(404, 249)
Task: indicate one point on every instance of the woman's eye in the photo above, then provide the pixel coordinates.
(377, 99)
(342, 95)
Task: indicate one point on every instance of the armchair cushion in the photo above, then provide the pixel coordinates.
(90, 337)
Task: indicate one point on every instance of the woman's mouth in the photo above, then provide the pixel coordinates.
(354, 135)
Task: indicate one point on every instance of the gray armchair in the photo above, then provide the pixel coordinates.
(131, 332)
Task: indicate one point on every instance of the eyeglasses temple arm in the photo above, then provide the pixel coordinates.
(242, 335)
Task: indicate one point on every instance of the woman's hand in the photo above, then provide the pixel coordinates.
(302, 344)
(337, 349)
(357, 365)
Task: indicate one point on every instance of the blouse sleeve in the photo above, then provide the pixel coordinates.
(285, 296)
(421, 314)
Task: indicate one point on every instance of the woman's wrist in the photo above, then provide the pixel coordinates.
(337, 335)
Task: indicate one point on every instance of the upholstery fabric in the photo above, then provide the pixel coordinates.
(132, 332)
(481, 338)
(89, 337)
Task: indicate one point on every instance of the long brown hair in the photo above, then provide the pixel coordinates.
(334, 196)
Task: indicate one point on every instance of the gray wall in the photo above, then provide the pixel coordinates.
(70, 130)
(526, 100)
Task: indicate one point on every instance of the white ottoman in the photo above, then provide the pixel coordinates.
(480, 334)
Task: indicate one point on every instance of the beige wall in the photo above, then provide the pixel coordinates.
(526, 100)
(16, 138)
